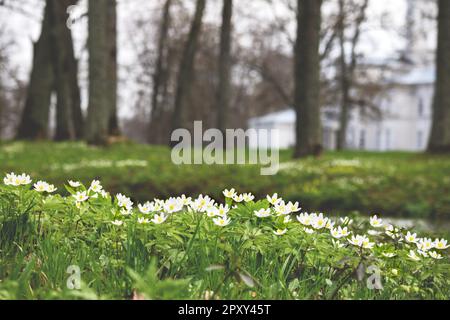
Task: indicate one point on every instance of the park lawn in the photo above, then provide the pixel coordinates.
(396, 184)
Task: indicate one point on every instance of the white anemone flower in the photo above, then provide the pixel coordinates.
(262, 213)
(229, 193)
(435, 255)
(441, 244)
(96, 186)
(81, 196)
(159, 218)
(74, 184)
(280, 232)
(274, 200)
(222, 221)
(145, 208)
(40, 186)
(376, 222)
(411, 238)
(413, 255)
(117, 222)
(51, 188)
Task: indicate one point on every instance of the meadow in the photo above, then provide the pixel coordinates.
(113, 224)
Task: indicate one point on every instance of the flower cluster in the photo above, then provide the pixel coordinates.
(272, 212)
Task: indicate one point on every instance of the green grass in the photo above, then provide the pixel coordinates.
(44, 238)
(392, 184)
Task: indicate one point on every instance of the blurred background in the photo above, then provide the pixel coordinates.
(358, 89)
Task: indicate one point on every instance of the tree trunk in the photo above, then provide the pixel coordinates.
(113, 125)
(224, 85)
(186, 69)
(344, 80)
(96, 131)
(68, 110)
(440, 132)
(347, 69)
(34, 121)
(160, 75)
(307, 79)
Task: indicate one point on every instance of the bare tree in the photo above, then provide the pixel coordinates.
(307, 79)
(440, 132)
(160, 75)
(347, 68)
(34, 122)
(224, 85)
(96, 130)
(186, 68)
(69, 119)
(111, 84)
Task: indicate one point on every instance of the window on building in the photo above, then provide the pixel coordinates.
(420, 108)
(388, 139)
(362, 139)
(419, 139)
(378, 139)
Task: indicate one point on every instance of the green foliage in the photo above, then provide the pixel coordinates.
(123, 252)
(397, 184)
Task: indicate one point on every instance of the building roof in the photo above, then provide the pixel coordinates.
(283, 116)
(418, 75)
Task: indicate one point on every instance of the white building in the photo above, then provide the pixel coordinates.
(405, 104)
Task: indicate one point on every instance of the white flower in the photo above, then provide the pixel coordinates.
(435, 255)
(51, 188)
(104, 194)
(339, 232)
(238, 198)
(159, 218)
(145, 208)
(308, 230)
(222, 210)
(287, 219)
(389, 254)
(361, 241)
(9, 179)
(304, 219)
(281, 208)
(274, 200)
(124, 202)
(229, 193)
(126, 211)
(143, 221)
(280, 232)
(319, 222)
(222, 221)
(81, 196)
(441, 244)
(74, 184)
(185, 200)
(262, 213)
(330, 224)
(248, 197)
(12, 179)
(173, 205)
(411, 238)
(40, 186)
(413, 255)
(425, 244)
(117, 222)
(376, 222)
(293, 207)
(96, 186)
(202, 203)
